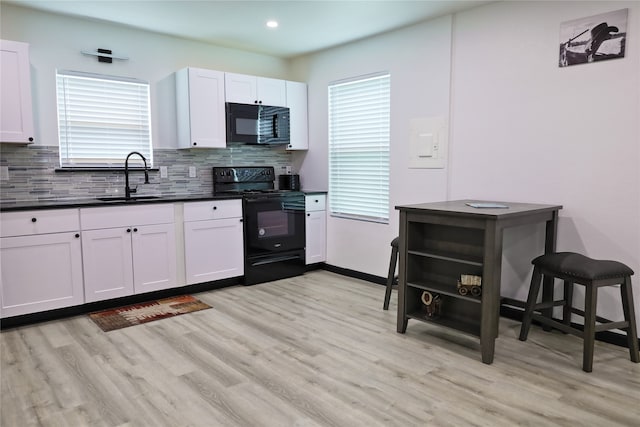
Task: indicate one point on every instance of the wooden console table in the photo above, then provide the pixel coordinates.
(441, 241)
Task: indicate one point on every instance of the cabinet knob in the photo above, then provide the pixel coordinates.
(215, 207)
(33, 219)
(77, 235)
(128, 230)
(30, 139)
(317, 200)
(308, 214)
(241, 220)
(195, 143)
(135, 230)
(255, 102)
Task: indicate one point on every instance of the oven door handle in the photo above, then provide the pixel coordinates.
(276, 259)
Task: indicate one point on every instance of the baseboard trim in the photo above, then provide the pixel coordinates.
(45, 316)
(356, 274)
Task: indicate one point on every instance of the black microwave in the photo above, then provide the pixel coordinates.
(257, 124)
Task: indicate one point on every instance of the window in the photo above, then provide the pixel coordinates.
(359, 112)
(101, 119)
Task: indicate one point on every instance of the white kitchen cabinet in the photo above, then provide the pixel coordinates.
(41, 261)
(213, 240)
(200, 108)
(316, 228)
(245, 89)
(299, 127)
(128, 250)
(16, 119)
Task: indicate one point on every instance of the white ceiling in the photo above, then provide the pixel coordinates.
(305, 25)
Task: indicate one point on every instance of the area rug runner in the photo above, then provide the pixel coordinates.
(136, 314)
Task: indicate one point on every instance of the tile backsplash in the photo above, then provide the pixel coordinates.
(29, 172)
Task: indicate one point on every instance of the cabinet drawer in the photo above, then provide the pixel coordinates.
(316, 202)
(27, 223)
(215, 209)
(121, 216)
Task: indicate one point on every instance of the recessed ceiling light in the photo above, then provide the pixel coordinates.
(272, 24)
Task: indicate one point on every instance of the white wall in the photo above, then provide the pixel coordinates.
(56, 41)
(526, 130)
(521, 129)
(418, 59)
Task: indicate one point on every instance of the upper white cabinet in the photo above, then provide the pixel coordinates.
(245, 89)
(201, 118)
(16, 120)
(297, 103)
(41, 261)
(128, 250)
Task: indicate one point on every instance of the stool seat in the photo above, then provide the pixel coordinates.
(575, 265)
(574, 268)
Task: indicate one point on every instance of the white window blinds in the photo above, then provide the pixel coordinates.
(359, 116)
(101, 119)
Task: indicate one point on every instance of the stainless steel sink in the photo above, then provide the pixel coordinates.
(124, 199)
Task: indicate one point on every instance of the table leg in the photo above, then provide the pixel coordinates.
(547, 282)
(491, 275)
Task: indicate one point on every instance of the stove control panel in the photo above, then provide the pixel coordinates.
(243, 174)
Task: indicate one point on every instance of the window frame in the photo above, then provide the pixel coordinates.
(134, 127)
(366, 199)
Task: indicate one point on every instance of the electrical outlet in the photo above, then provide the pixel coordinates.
(192, 171)
(4, 173)
(163, 172)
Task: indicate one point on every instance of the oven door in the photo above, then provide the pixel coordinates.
(274, 223)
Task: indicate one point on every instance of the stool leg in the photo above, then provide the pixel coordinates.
(568, 302)
(534, 289)
(629, 316)
(390, 277)
(589, 333)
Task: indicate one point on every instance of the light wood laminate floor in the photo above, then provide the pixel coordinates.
(316, 350)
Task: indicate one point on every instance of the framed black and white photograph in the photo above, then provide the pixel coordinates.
(594, 38)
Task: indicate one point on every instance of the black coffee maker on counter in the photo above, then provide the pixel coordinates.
(289, 182)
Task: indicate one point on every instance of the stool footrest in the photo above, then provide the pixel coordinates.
(557, 325)
(612, 325)
(581, 313)
(549, 304)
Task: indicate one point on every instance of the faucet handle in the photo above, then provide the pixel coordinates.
(133, 190)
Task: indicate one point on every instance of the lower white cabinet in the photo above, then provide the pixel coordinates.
(213, 240)
(316, 228)
(41, 261)
(128, 250)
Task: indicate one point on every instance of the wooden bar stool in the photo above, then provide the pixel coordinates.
(391, 276)
(593, 274)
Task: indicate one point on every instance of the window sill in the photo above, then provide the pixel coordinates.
(117, 169)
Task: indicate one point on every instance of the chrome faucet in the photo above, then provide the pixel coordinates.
(127, 190)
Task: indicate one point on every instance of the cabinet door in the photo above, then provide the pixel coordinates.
(241, 88)
(201, 108)
(316, 236)
(108, 263)
(16, 120)
(154, 257)
(40, 273)
(297, 103)
(272, 92)
(213, 250)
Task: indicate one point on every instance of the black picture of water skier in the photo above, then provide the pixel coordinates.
(595, 38)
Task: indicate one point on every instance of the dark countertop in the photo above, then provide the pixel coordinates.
(95, 202)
